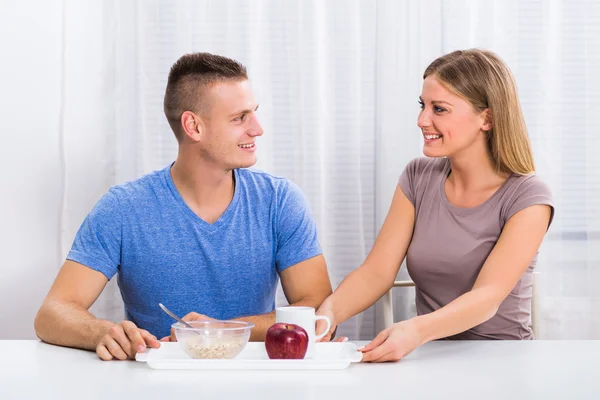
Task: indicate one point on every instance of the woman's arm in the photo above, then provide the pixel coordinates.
(377, 274)
(518, 243)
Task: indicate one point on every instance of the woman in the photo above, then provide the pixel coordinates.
(469, 218)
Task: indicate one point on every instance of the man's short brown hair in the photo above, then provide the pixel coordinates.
(189, 77)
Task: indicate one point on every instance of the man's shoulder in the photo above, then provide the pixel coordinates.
(140, 189)
(254, 178)
(265, 187)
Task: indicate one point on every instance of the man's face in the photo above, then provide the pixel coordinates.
(231, 125)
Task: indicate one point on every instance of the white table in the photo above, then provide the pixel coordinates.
(438, 370)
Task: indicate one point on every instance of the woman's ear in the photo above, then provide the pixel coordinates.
(488, 122)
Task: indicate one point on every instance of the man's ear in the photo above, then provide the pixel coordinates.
(192, 126)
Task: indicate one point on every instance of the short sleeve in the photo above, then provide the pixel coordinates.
(409, 179)
(296, 230)
(97, 244)
(532, 191)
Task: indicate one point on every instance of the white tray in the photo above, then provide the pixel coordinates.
(329, 355)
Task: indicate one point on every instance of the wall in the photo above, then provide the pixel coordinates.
(30, 98)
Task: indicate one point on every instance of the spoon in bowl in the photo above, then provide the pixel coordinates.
(175, 317)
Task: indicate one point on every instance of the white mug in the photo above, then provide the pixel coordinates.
(306, 318)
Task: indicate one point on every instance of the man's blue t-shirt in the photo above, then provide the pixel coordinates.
(164, 253)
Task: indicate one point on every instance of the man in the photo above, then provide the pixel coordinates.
(204, 236)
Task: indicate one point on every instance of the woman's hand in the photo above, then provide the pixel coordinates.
(393, 343)
(326, 310)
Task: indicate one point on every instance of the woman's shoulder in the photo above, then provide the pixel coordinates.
(525, 191)
(419, 176)
(531, 185)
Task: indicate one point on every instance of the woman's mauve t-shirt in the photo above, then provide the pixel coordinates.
(450, 244)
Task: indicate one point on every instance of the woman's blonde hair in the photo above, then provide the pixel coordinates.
(485, 81)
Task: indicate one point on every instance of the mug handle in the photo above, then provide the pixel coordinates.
(326, 319)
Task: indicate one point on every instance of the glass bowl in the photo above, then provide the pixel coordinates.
(213, 339)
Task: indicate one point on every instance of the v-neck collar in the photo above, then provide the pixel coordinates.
(224, 218)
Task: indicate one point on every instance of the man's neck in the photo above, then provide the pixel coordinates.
(205, 188)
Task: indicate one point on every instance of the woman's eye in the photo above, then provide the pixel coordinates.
(438, 109)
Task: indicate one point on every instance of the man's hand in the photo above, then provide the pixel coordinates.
(125, 340)
(193, 316)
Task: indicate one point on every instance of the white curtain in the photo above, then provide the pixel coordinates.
(553, 48)
(337, 83)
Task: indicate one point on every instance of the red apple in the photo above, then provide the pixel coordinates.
(286, 341)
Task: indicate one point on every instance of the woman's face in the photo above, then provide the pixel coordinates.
(449, 123)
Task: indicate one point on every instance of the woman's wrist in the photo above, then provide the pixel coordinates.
(424, 328)
(330, 305)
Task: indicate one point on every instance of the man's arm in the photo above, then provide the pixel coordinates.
(299, 258)
(304, 284)
(64, 319)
